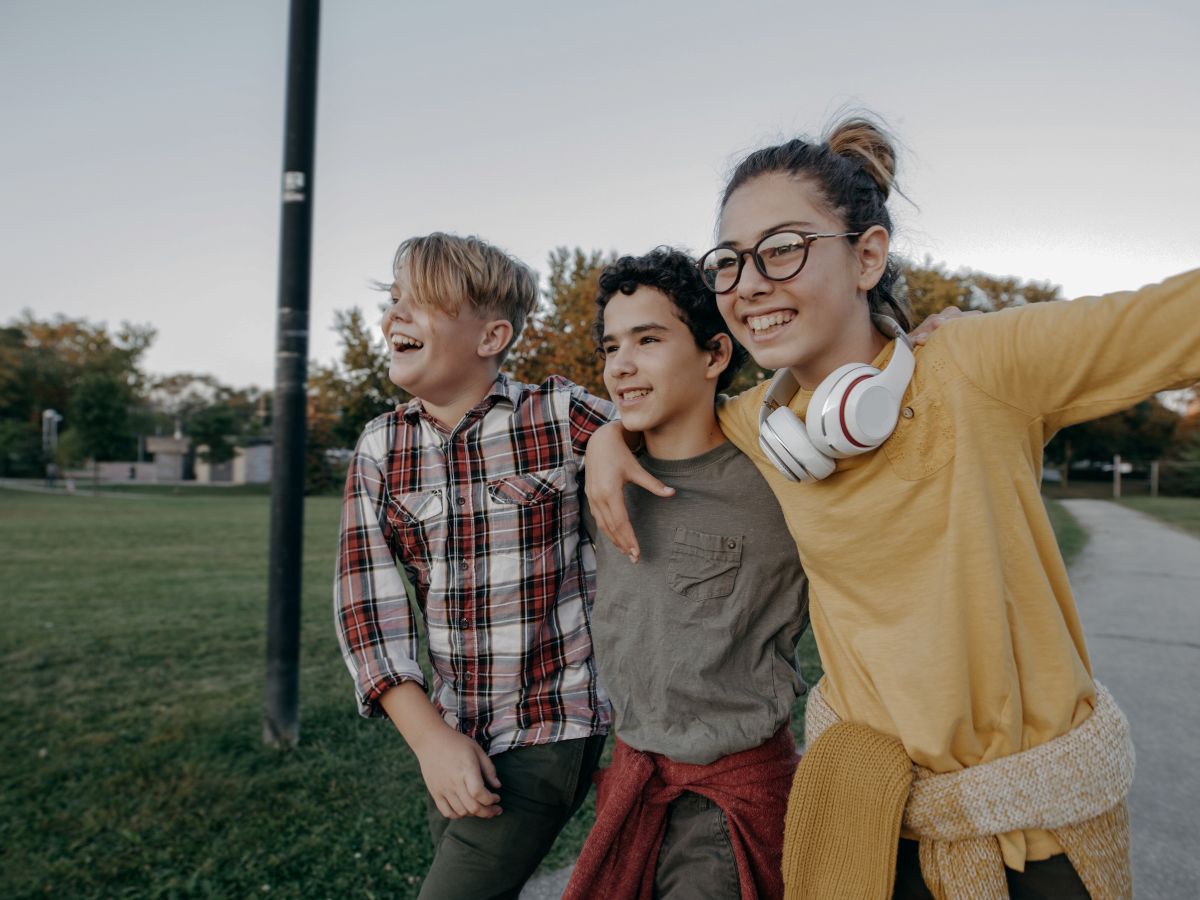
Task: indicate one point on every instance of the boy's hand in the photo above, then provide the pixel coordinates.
(608, 466)
(455, 768)
(457, 773)
(921, 333)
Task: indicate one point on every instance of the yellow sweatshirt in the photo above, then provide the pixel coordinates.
(939, 599)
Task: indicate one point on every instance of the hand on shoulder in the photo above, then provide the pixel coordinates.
(922, 332)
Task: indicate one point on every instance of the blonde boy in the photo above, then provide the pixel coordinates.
(472, 487)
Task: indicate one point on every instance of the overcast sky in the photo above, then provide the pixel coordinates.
(142, 150)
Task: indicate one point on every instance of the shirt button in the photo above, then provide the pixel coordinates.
(908, 412)
(463, 564)
(463, 622)
(461, 501)
(529, 495)
(732, 545)
(466, 676)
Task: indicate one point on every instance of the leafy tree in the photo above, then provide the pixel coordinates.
(318, 471)
(20, 449)
(42, 362)
(558, 339)
(213, 415)
(750, 374)
(1142, 432)
(345, 396)
(931, 288)
(70, 451)
(215, 428)
(45, 364)
(1180, 473)
(99, 416)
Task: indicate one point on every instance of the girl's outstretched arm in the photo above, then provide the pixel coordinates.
(608, 466)
(1069, 361)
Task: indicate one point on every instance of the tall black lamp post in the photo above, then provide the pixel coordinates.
(281, 727)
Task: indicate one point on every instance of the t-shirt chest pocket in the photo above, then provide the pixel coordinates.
(703, 566)
(524, 511)
(923, 441)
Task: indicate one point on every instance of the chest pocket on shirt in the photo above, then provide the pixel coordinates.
(524, 511)
(411, 517)
(923, 441)
(703, 566)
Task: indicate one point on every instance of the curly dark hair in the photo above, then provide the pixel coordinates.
(675, 274)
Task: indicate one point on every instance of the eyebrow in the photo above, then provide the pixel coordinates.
(637, 329)
(778, 227)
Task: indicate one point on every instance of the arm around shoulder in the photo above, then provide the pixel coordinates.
(609, 467)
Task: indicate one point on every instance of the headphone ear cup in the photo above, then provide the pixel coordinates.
(871, 413)
(826, 421)
(785, 440)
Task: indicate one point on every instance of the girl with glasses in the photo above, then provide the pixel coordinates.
(958, 744)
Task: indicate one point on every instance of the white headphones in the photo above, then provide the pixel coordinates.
(852, 411)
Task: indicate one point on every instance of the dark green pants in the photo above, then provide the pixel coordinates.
(1047, 879)
(696, 858)
(482, 859)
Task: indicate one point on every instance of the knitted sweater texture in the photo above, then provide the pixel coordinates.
(1073, 786)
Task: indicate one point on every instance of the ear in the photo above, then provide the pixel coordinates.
(872, 252)
(719, 353)
(495, 337)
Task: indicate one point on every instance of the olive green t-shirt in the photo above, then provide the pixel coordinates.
(695, 644)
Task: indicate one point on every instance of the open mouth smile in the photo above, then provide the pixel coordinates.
(631, 395)
(765, 326)
(402, 343)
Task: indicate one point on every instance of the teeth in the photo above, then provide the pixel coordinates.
(762, 323)
(400, 341)
(634, 394)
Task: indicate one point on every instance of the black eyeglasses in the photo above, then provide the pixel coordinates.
(778, 256)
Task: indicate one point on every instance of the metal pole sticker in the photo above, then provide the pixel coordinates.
(293, 187)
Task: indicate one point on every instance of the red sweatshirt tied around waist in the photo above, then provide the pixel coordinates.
(620, 855)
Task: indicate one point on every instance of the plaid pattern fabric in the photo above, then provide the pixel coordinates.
(485, 521)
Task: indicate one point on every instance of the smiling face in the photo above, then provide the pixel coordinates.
(662, 383)
(433, 356)
(818, 319)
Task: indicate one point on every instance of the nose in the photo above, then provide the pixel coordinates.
(752, 283)
(396, 309)
(620, 362)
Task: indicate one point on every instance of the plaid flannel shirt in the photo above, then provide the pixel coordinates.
(485, 521)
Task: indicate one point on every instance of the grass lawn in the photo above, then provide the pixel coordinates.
(131, 681)
(1182, 512)
(1070, 534)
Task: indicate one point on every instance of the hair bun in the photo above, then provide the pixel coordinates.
(868, 145)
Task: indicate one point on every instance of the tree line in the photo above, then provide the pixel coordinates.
(95, 379)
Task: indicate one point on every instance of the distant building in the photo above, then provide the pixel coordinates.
(250, 465)
(169, 453)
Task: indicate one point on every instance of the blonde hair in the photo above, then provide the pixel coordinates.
(448, 272)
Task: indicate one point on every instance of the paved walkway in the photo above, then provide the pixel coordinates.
(1137, 583)
(547, 887)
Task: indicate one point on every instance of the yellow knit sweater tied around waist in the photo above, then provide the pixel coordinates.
(855, 787)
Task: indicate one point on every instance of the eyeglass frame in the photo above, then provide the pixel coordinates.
(808, 237)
